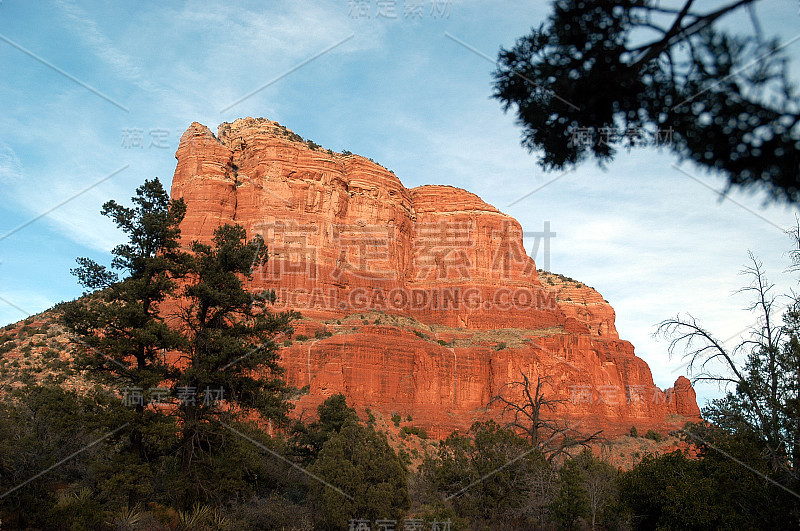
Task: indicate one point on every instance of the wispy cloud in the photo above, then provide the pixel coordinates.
(86, 28)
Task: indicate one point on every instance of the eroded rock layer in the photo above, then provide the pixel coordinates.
(421, 301)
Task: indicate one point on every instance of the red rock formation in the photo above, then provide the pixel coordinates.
(582, 303)
(371, 262)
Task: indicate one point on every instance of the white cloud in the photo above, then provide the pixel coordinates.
(10, 166)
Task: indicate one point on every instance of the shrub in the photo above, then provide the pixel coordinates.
(500, 346)
(634, 431)
(415, 430)
(653, 435)
(396, 419)
(319, 334)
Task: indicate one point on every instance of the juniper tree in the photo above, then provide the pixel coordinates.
(228, 351)
(761, 378)
(600, 75)
(119, 331)
(183, 341)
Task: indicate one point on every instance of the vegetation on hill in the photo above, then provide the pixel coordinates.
(145, 446)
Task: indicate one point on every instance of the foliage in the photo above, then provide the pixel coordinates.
(763, 392)
(414, 430)
(641, 69)
(307, 440)
(194, 304)
(227, 346)
(588, 492)
(120, 328)
(669, 492)
(490, 476)
(364, 477)
(653, 435)
(39, 427)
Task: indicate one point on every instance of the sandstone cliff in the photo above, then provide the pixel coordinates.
(421, 301)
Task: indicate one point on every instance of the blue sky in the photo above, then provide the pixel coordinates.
(96, 94)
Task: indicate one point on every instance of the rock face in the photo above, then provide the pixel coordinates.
(422, 301)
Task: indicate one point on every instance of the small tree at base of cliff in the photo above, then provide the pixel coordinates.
(308, 439)
(532, 416)
(490, 477)
(588, 491)
(359, 462)
(724, 487)
(669, 492)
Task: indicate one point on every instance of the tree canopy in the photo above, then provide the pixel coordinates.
(600, 75)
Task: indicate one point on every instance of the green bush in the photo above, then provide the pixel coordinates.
(653, 435)
(414, 430)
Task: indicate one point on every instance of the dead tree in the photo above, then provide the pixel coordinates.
(553, 437)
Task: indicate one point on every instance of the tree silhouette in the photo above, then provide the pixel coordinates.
(600, 75)
(763, 389)
(530, 417)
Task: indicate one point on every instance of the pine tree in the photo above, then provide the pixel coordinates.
(184, 343)
(229, 363)
(119, 330)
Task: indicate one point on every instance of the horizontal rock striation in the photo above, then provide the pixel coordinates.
(422, 301)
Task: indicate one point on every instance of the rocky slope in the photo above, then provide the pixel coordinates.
(420, 301)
